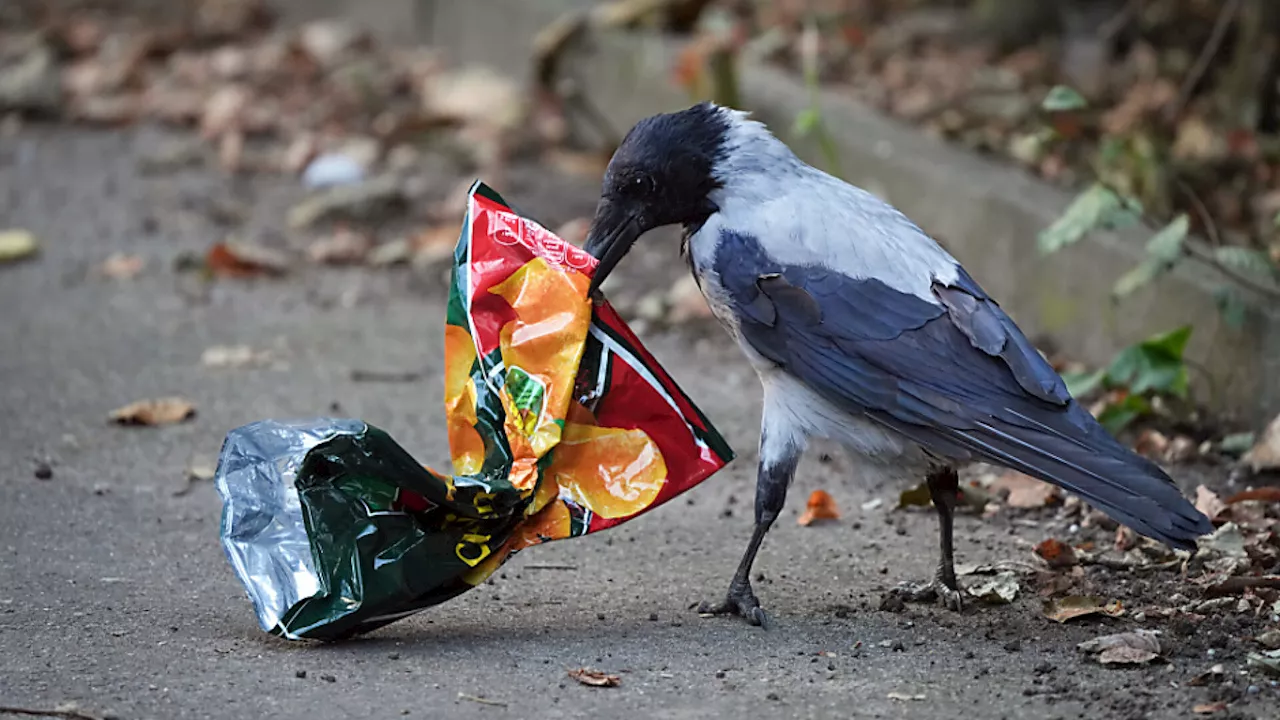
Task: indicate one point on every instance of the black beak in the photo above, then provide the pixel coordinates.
(613, 231)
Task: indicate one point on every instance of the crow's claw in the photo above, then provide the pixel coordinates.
(741, 602)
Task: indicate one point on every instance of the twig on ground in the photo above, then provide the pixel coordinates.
(1124, 563)
(385, 376)
(1233, 585)
(32, 712)
(482, 701)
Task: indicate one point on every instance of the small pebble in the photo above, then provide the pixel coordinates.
(772, 696)
(1253, 689)
(599, 616)
(898, 646)
(653, 617)
(328, 678)
(720, 674)
(393, 656)
(301, 674)
(44, 471)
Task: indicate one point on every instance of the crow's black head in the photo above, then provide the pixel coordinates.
(660, 175)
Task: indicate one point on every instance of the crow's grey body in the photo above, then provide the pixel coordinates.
(865, 331)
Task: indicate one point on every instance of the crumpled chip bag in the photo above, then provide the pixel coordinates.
(560, 424)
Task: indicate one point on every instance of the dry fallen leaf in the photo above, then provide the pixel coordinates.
(1151, 443)
(1075, 606)
(1214, 674)
(435, 244)
(1126, 539)
(1208, 502)
(595, 678)
(918, 496)
(1265, 454)
(160, 411)
(120, 266)
(238, 259)
(1130, 648)
(343, 247)
(1262, 494)
(1001, 589)
(1057, 553)
(1209, 708)
(16, 245)
(821, 506)
(1024, 490)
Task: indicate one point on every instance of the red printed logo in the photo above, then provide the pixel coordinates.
(511, 229)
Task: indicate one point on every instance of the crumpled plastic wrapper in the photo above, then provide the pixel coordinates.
(560, 424)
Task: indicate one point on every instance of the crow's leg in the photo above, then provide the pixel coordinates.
(779, 455)
(943, 484)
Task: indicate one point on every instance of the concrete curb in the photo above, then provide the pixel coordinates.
(986, 214)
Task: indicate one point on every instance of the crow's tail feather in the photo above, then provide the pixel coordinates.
(1070, 449)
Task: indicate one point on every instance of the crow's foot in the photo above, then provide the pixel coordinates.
(740, 601)
(935, 591)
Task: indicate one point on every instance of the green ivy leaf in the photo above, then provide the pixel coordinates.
(1137, 278)
(1062, 98)
(1153, 365)
(1098, 207)
(1118, 416)
(1166, 245)
(1080, 384)
(1164, 250)
(1247, 260)
(1237, 443)
(1232, 307)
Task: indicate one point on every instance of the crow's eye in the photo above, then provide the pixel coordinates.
(640, 185)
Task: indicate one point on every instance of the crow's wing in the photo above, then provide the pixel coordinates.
(951, 372)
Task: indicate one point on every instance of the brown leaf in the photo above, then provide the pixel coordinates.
(1208, 502)
(224, 110)
(821, 506)
(595, 678)
(160, 411)
(918, 496)
(1126, 656)
(1209, 708)
(1126, 539)
(1057, 553)
(344, 247)
(1076, 606)
(1265, 454)
(1024, 490)
(1208, 677)
(1151, 443)
(434, 244)
(1128, 648)
(1262, 494)
(120, 266)
(239, 259)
